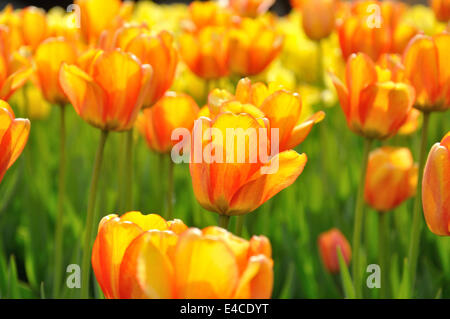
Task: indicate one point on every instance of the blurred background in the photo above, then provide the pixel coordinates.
(281, 6)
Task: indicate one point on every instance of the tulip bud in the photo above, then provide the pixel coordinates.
(436, 188)
(391, 178)
(318, 18)
(441, 9)
(329, 243)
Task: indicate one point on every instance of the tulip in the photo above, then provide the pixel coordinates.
(206, 53)
(108, 102)
(391, 178)
(33, 26)
(251, 8)
(174, 110)
(427, 69)
(281, 107)
(97, 16)
(318, 18)
(253, 46)
(233, 181)
(156, 50)
(48, 58)
(99, 96)
(144, 256)
(13, 137)
(15, 69)
(441, 9)
(30, 101)
(329, 243)
(374, 106)
(156, 124)
(207, 13)
(436, 188)
(374, 32)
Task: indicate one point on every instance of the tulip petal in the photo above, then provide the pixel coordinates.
(288, 165)
(84, 94)
(146, 222)
(204, 267)
(301, 131)
(109, 247)
(146, 270)
(257, 280)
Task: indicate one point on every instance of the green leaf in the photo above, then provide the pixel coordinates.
(347, 284)
(13, 284)
(405, 290)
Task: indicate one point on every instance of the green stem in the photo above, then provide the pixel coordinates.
(60, 213)
(240, 224)
(85, 264)
(383, 232)
(417, 212)
(358, 223)
(128, 176)
(224, 220)
(170, 189)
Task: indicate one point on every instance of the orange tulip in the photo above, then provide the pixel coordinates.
(318, 18)
(48, 58)
(174, 110)
(233, 179)
(282, 108)
(329, 242)
(436, 188)
(251, 8)
(427, 68)
(374, 105)
(441, 9)
(98, 16)
(13, 137)
(391, 178)
(143, 256)
(253, 46)
(206, 14)
(206, 53)
(101, 97)
(156, 50)
(374, 31)
(15, 69)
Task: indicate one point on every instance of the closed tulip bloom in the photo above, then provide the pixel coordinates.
(436, 188)
(101, 97)
(157, 50)
(143, 256)
(318, 18)
(428, 71)
(206, 52)
(329, 243)
(253, 46)
(251, 8)
(48, 58)
(15, 69)
(374, 28)
(391, 178)
(207, 13)
(374, 105)
(174, 110)
(441, 9)
(98, 16)
(282, 108)
(13, 137)
(33, 26)
(236, 178)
